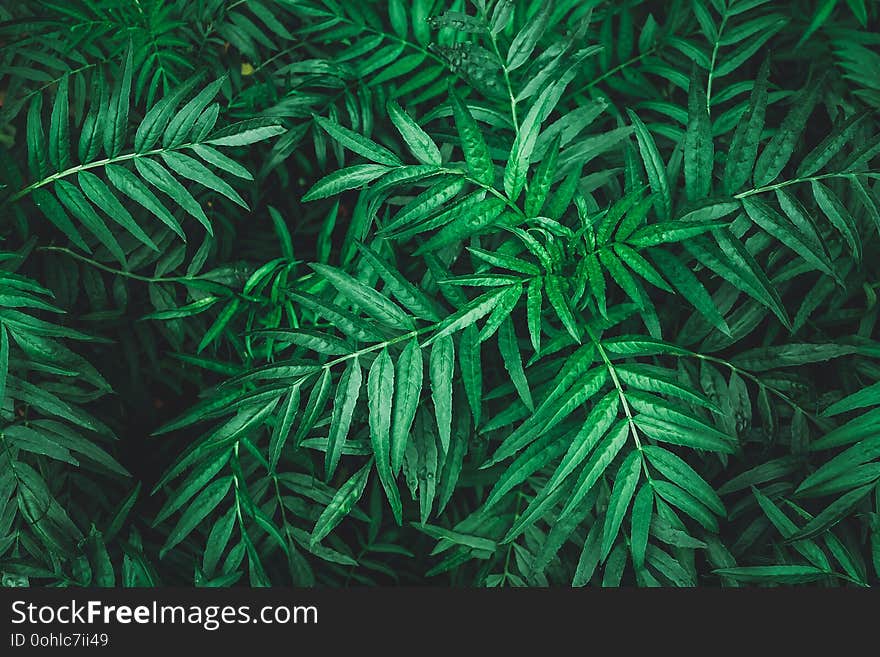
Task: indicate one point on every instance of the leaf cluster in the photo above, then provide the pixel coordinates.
(484, 293)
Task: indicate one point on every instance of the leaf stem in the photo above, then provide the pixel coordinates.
(137, 277)
(119, 272)
(715, 47)
(795, 181)
(756, 380)
(612, 372)
(91, 165)
(494, 41)
(612, 71)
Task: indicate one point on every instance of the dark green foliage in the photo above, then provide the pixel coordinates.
(484, 293)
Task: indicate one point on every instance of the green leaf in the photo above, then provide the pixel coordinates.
(640, 524)
(457, 538)
(505, 261)
(830, 146)
(99, 194)
(219, 324)
(212, 156)
(72, 198)
(343, 320)
(311, 340)
(180, 125)
(314, 406)
(344, 179)
(823, 10)
(407, 397)
(194, 170)
(417, 140)
(625, 483)
(130, 185)
(862, 452)
(679, 434)
(122, 513)
(197, 511)
(853, 431)
(640, 266)
(408, 294)
(75, 442)
(542, 179)
(669, 567)
(768, 219)
(469, 361)
(676, 469)
(671, 231)
(246, 132)
(839, 217)
(34, 442)
(654, 167)
(809, 549)
(196, 481)
(794, 354)
(158, 176)
(744, 145)
(282, 429)
(589, 558)
(467, 315)
(218, 539)
(54, 212)
(364, 297)
(596, 465)
(91, 131)
(687, 503)
(684, 280)
(117, 111)
(554, 409)
(412, 220)
(158, 116)
(699, 152)
(341, 504)
(38, 163)
(347, 393)
(534, 306)
(536, 456)
(508, 344)
(441, 368)
(868, 396)
(780, 148)
(637, 345)
(59, 129)
(357, 143)
(527, 135)
(467, 225)
(506, 303)
(380, 388)
(473, 144)
(553, 287)
(783, 574)
(760, 474)
(526, 39)
(205, 123)
(748, 275)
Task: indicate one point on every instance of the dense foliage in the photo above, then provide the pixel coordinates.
(497, 292)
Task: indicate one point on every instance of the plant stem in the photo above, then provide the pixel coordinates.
(612, 71)
(91, 165)
(714, 58)
(795, 181)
